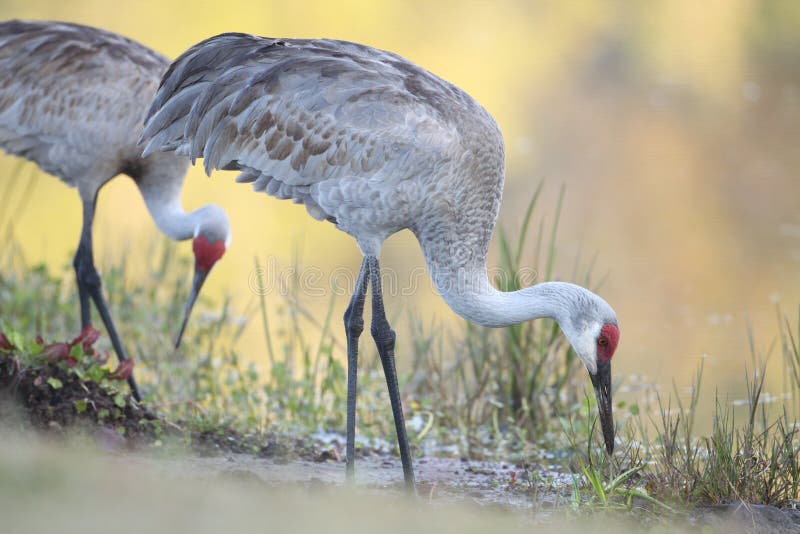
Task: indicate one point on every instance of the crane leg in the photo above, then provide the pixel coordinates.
(83, 293)
(90, 286)
(384, 338)
(354, 325)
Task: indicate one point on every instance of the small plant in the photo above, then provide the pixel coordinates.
(64, 383)
(617, 492)
(77, 358)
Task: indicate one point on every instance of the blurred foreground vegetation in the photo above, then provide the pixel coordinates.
(84, 491)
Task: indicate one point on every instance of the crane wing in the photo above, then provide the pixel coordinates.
(68, 92)
(299, 112)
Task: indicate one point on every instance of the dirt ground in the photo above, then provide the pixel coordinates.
(492, 488)
(442, 480)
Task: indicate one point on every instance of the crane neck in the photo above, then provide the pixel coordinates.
(162, 195)
(464, 283)
(474, 298)
(164, 205)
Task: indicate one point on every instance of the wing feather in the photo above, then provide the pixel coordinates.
(69, 92)
(300, 111)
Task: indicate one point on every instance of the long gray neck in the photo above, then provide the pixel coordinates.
(162, 195)
(457, 265)
(468, 291)
(169, 215)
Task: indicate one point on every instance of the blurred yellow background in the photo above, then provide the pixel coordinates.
(674, 126)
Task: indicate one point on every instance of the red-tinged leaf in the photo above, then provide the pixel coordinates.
(87, 338)
(56, 351)
(100, 358)
(39, 340)
(5, 344)
(71, 362)
(123, 370)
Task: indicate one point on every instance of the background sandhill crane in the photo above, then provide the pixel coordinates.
(374, 144)
(72, 99)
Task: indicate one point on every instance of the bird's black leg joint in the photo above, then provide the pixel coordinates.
(354, 315)
(86, 272)
(354, 325)
(384, 338)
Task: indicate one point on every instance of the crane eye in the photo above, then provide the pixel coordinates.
(602, 342)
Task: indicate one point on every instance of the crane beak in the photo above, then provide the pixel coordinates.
(601, 381)
(199, 279)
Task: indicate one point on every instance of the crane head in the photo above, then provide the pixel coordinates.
(212, 235)
(606, 344)
(206, 255)
(594, 335)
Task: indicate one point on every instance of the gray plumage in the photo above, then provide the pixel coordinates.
(376, 144)
(358, 135)
(72, 100)
(362, 137)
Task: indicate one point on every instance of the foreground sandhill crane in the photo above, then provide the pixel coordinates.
(374, 144)
(72, 100)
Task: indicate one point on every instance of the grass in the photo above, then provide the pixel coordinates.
(516, 394)
(752, 457)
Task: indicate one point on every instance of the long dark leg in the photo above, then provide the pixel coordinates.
(354, 325)
(384, 338)
(83, 292)
(89, 286)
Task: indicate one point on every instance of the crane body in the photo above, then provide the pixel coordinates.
(374, 144)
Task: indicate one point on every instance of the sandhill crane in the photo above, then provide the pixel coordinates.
(374, 144)
(72, 100)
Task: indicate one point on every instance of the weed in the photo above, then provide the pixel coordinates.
(756, 461)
